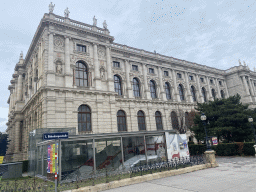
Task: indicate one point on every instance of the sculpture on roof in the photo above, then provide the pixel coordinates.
(254, 69)
(244, 63)
(105, 26)
(66, 12)
(51, 7)
(239, 62)
(21, 55)
(94, 21)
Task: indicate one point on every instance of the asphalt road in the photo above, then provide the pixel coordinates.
(234, 174)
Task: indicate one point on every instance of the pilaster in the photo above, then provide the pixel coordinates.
(96, 65)
(109, 72)
(188, 89)
(160, 74)
(147, 93)
(68, 76)
(51, 72)
(128, 84)
(176, 95)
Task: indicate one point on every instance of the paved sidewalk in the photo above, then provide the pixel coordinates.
(234, 174)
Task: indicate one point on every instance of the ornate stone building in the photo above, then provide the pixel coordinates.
(75, 76)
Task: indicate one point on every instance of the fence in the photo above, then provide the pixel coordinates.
(104, 175)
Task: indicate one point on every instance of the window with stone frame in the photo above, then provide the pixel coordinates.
(81, 48)
(84, 119)
(118, 84)
(159, 124)
(181, 92)
(166, 74)
(211, 81)
(222, 94)
(202, 79)
(179, 75)
(136, 87)
(121, 121)
(81, 74)
(135, 67)
(204, 94)
(220, 83)
(116, 64)
(151, 70)
(141, 121)
(167, 91)
(213, 94)
(152, 87)
(193, 93)
(191, 78)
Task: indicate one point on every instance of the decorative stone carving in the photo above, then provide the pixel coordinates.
(58, 67)
(75, 58)
(51, 7)
(102, 73)
(59, 43)
(101, 52)
(66, 13)
(59, 29)
(94, 21)
(105, 26)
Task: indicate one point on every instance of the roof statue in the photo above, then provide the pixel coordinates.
(94, 21)
(254, 69)
(21, 55)
(239, 62)
(155, 51)
(105, 26)
(66, 12)
(244, 63)
(51, 7)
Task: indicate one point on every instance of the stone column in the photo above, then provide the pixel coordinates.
(96, 67)
(160, 75)
(176, 95)
(19, 88)
(17, 136)
(250, 85)
(226, 88)
(190, 99)
(201, 99)
(210, 158)
(51, 71)
(146, 90)
(109, 70)
(210, 97)
(253, 88)
(218, 88)
(68, 76)
(246, 86)
(128, 83)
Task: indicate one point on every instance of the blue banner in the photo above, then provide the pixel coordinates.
(51, 136)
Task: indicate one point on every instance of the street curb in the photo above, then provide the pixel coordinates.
(140, 179)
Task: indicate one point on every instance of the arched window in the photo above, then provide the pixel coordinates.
(204, 94)
(121, 121)
(117, 84)
(175, 122)
(81, 74)
(159, 125)
(167, 91)
(213, 94)
(193, 93)
(181, 92)
(84, 118)
(222, 94)
(136, 87)
(152, 89)
(141, 121)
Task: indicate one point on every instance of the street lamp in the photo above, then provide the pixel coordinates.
(203, 119)
(250, 119)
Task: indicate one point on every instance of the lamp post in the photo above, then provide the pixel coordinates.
(203, 119)
(250, 119)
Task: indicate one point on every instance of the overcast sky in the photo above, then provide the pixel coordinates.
(212, 33)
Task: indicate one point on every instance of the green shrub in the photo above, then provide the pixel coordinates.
(248, 149)
(197, 149)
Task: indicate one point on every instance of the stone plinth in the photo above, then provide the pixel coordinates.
(255, 149)
(210, 158)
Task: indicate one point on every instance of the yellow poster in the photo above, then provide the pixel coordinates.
(1, 159)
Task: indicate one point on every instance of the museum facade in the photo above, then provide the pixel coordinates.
(75, 76)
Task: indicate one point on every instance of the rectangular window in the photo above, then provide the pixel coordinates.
(135, 67)
(179, 75)
(166, 73)
(81, 48)
(211, 81)
(116, 64)
(151, 70)
(220, 83)
(202, 79)
(191, 78)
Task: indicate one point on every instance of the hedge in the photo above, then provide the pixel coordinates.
(225, 149)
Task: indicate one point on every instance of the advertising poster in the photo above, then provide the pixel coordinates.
(51, 166)
(214, 141)
(177, 146)
(48, 159)
(1, 159)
